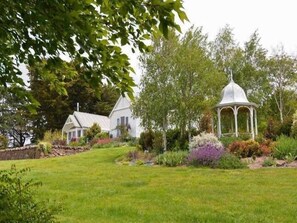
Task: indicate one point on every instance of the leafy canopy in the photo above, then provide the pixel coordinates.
(89, 32)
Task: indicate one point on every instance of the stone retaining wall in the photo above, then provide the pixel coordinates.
(32, 152)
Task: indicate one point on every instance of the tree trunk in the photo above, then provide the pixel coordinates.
(189, 132)
(164, 140)
(164, 133)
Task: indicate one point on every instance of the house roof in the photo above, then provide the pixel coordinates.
(116, 106)
(86, 120)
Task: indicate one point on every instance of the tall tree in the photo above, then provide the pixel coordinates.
(155, 102)
(54, 107)
(282, 70)
(179, 81)
(226, 52)
(196, 81)
(89, 32)
(14, 116)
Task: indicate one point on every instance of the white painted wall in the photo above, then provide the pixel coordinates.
(122, 109)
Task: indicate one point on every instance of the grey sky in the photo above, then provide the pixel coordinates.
(275, 21)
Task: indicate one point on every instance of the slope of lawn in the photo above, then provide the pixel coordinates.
(90, 187)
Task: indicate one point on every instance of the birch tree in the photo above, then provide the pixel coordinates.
(282, 76)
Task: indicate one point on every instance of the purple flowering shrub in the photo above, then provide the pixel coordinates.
(206, 155)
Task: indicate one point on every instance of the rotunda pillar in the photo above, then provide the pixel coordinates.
(235, 120)
(252, 122)
(219, 123)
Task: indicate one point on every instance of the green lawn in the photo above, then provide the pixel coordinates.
(92, 188)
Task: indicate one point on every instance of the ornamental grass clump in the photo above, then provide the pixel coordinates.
(206, 155)
(203, 139)
(172, 159)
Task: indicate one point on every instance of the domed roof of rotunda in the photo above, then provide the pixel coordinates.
(233, 94)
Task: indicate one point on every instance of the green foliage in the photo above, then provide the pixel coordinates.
(285, 146)
(294, 126)
(176, 140)
(230, 161)
(17, 200)
(285, 127)
(158, 143)
(52, 136)
(226, 141)
(146, 140)
(172, 159)
(14, 115)
(45, 147)
(96, 101)
(3, 142)
(249, 148)
(124, 136)
(271, 131)
(93, 131)
(205, 123)
(282, 78)
(90, 32)
(269, 161)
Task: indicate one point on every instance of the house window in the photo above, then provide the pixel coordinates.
(118, 130)
(79, 133)
(122, 120)
(127, 121)
(69, 135)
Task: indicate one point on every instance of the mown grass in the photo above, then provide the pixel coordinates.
(90, 187)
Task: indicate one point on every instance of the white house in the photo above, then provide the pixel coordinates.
(76, 124)
(121, 114)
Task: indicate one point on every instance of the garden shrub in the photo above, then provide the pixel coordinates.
(3, 142)
(157, 143)
(226, 141)
(230, 161)
(266, 147)
(285, 127)
(17, 202)
(269, 161)
(172, 136)
(172, 159)
(52, 136)
(93, 131)
(294, 126)
(146, 140)
(204, 138)
(284, 147)
(271, 131)
(206, 155)
(249, 148)
(45, 147)
(102, 135)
